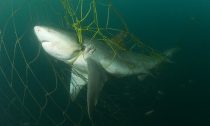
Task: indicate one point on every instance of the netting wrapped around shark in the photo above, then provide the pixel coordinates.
(34, 87)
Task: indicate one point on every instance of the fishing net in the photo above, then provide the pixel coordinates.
(34, 88)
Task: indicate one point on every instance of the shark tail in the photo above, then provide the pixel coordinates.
(169, 53)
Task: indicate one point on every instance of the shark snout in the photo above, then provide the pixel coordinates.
(37, 29)
(41, 34)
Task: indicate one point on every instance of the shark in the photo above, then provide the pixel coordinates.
(93, 61)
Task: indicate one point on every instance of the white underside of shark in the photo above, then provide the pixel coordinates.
(93, 61)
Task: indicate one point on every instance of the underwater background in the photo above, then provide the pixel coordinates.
(177, 94)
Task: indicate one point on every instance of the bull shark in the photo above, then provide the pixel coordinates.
(93, 61)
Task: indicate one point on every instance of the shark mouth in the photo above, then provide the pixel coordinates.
(43, 41)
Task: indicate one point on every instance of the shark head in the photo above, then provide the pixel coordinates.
(57, 43)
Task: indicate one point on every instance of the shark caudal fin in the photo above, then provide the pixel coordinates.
(169, 53)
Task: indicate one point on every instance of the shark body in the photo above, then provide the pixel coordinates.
(93, 61)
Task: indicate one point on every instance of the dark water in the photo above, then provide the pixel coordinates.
(177, 95)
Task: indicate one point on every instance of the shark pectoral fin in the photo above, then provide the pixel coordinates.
(76, 84)
(96, 80)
